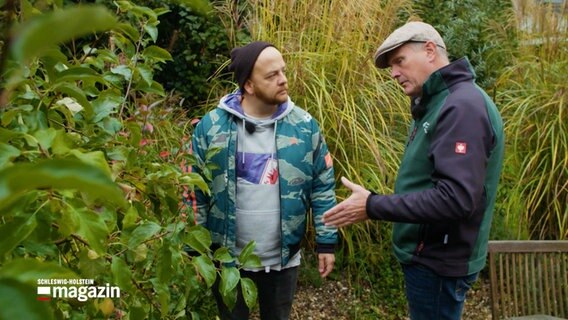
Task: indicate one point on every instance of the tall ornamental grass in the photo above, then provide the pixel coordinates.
(533, 93)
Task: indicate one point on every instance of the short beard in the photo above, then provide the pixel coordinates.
(270, 100)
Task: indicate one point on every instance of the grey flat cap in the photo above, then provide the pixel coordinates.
(412, 31)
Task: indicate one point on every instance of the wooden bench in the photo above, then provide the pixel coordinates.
(528, 278)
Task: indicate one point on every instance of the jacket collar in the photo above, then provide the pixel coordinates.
(442, 79)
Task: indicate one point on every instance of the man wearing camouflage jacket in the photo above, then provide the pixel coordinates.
(273, 166)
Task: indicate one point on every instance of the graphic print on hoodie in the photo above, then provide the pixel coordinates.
(258, 193)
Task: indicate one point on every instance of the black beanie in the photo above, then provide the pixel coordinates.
(243, 60)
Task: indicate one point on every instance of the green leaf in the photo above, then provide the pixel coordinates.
(155, 53)
(229, 279)
(7, 154)
(39, 34)
(193, 179)
(142, 12)
(124, 5)
(69, 222)
(222, 255)
(18, 302)
(129, 30)
(106, 103)
(122, 70)
(92, 228)
(121, 274)
(18, 230)
(94, 158)
(211, 153)
(6, 135)
(161, 11)
(200, 6)
(156, 88)
(45, 137)
(30, 270)
(228, 287)
(135, 134)
(72, 107)
(27, 10)
(62, 143)
(78, 73)
(163, 298)
(164, 268)
(130, 218)
(111, 125)
(52, 60)
(249, 290)
(206, 269)
(91, 268)
(79, 95)
(141, 253)
(152, 31)
(58, 174)
(199, 239)
(253, 261)
(146, 74)
(9, 115)
(142, 233)
(247, 251)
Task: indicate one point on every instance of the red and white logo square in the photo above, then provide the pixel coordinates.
(461, 148)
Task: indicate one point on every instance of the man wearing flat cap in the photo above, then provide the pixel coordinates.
(447, 181)
(272, 167)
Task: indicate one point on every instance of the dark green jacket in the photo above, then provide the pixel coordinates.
(447, 181)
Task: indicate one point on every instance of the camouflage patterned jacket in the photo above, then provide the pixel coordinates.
(306, 178)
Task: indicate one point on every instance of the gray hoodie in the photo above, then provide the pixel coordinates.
(258, 193)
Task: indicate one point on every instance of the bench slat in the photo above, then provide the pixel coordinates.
(528, 277)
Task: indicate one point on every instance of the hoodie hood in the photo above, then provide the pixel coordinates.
(232, 104)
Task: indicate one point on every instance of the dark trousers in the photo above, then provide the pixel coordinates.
(276, 291)
(433, 297)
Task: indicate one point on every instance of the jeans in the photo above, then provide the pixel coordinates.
(433, 297)
(276, 291)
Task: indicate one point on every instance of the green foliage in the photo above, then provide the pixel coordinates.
(92, 151)
(15, 297)
(200, 45)
(467, 27)
(34, 39)
(533, 93)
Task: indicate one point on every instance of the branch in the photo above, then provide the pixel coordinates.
(10, 12)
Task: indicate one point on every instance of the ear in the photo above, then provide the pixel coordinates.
(431, 50)
(249, 87)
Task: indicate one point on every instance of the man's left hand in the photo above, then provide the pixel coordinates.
(326, 263)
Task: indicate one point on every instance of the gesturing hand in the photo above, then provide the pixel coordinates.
(350, 210)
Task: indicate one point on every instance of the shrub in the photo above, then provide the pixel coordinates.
(90, 178)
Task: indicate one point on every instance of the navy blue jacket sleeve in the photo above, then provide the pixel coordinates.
(458, 175)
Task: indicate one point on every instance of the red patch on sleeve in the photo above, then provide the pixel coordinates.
(328, 161)
(461, 148)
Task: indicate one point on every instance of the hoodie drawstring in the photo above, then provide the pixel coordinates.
(274, 139)
(244, 135)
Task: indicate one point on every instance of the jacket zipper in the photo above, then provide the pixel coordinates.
(413, 134)
(420, 245)
(227, 200)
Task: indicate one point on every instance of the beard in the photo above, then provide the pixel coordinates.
(276, 99)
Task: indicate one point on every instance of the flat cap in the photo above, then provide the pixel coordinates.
(412, 31)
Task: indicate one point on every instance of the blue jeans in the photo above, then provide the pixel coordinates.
(432, 297)
(276, 291)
